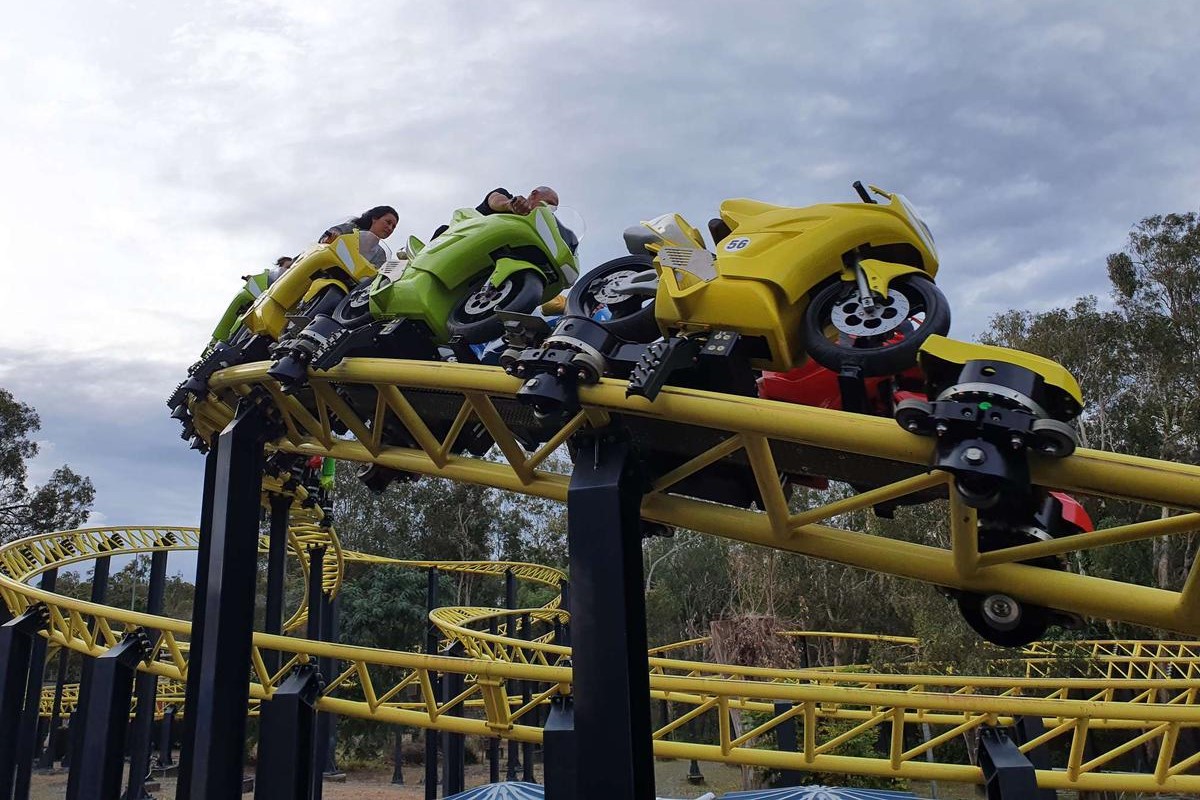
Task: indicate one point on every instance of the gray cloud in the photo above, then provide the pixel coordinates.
(190, 147)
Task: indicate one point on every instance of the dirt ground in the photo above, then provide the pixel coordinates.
(670, 779)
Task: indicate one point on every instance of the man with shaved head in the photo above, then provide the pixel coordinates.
(502, 201)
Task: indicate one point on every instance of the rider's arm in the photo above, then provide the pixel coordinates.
(498, 200)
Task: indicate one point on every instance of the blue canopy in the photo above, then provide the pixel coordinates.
(514, 790)
(819, 793)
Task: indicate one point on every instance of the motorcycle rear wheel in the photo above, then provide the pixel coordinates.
(889, 352)
(631, 320)
(474, 314)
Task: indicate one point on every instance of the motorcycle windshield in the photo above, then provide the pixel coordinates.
(571, 226)
(917, 223)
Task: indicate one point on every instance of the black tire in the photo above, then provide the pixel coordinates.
(632, 318)
(520, 293)
(355, 309)
(1027, 625)
(892, 351)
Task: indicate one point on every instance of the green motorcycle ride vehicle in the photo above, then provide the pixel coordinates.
(445, 293)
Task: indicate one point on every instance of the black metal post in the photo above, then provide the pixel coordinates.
(1026, 729)
(281, 506)
(564, 593)
(316, 613)
(191, 697)
(611, 673)
(560, 759)
(286, 770)
(1007, 773)
(78, 723)
(453, 761)
(16, 646)
(102, 754)
(228, 624)
(510, 602)
(327, 722)
(527, 695)
(48, 754)
(165, 734)
(147, 688)
(493, 742)
(398, 758)
(787, 740)
(431, 736)
(27, 735)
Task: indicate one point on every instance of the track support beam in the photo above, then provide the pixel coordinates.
(560, 760)
(608, 620)
(16, 648)
(146, 689)
(27, 735)
(286, 769)
(219, 716)
(1007, 773)
(101, 759)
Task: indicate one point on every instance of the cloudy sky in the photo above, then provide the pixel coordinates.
(153, 152)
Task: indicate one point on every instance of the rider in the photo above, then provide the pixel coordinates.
(502, 201)
(380, 220)
(254, 286)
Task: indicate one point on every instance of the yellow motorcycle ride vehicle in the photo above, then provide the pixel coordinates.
(314, 284)
(848, 284)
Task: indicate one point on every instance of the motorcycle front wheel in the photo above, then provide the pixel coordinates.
(474, 314)
(838, 331)
(632, 315)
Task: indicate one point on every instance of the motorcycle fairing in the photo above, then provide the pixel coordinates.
(500, 245)
(341, 261)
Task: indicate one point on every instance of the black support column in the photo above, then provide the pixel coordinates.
(147, 687)
(527, 773)
(191, 697)
(78, 723)
(47, 762)
(276, 570)
(219, 720)
(454, 755)
(560, 761)
(510, 602)
(101, 759)
(27, 736)
(316, 615)
(611, 673)
(16, 646)
(431, 646)
(286, 770)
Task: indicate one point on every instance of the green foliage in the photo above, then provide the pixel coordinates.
(62, 502)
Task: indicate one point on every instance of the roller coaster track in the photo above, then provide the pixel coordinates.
(761, 437)
(1141, 692)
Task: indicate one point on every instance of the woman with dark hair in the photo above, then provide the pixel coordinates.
(380, 221)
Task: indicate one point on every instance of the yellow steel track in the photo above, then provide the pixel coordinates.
(755, 435)
(1156, 682)
(1146, 689)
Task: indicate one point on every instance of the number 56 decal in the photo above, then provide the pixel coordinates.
(737, 244)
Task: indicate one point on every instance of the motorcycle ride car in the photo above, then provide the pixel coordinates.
(317, 280)
(848, 284)
(449, 291)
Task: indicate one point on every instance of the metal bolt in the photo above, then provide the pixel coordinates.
(912, 426)
(532, 382)
(974, 456)
(1016, 442)
(941, 429)
(581, 375)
